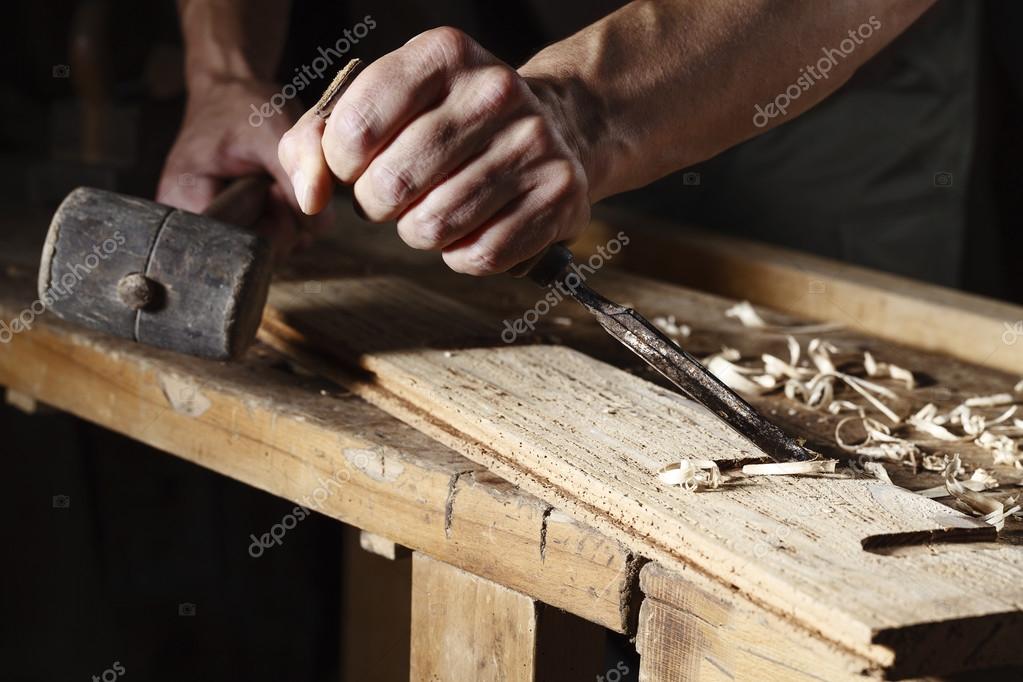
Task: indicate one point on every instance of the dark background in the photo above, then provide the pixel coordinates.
(102, 578)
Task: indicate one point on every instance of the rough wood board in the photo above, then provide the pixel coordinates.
(468, 628)
(906, 311)
(690, 633)
(270, 430)
(538, 412)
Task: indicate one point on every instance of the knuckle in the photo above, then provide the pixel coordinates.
(392, 188)
(482, 261)
(446, 44)
(537, 139)
(424, 232)
(498, 89)
(353, 126)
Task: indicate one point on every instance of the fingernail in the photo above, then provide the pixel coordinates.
(303, 192)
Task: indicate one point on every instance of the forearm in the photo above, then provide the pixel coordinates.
(232, 39)
(662, 84)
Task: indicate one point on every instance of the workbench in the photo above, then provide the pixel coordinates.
(505, 585)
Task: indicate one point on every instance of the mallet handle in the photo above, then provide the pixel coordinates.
(242, 202)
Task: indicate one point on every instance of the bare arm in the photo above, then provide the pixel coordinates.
(489, 165)
(662, 84)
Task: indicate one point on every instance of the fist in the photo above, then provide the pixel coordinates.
(470, 158)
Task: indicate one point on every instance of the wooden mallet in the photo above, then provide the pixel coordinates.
(191, 283)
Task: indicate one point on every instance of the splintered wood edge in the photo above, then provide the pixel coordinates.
(333, 93)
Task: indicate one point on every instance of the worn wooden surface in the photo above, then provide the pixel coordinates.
(467, 628)
(694, 633)
(377, 253)
(928, 317)
(888, 609)
(376, 608)
(260, 424)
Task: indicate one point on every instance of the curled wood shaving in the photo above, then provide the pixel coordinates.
(989, 509)
(692, 474)
(820, 466)
(996, 400)
(882, 369)
(749, 317)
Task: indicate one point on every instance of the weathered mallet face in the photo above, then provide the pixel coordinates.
(154, 274)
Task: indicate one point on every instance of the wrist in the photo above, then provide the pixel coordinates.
(582, 117)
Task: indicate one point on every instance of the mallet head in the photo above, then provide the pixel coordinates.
(154, 274)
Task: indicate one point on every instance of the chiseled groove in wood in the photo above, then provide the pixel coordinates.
(128, 373)
(706, 534)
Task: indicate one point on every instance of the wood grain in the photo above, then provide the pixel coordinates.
(981, 330)
(588, 438)
(279, 433)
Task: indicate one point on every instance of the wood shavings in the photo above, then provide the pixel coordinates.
(996, 400)
(670, 326)
(692, 475)
(878, 442)
(989, 509)
(750, 318)
(820, 466)
(337, 87)
(881, 369)
(877, 470)
(1018, 388)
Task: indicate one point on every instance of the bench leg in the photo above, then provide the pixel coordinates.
(468, 628)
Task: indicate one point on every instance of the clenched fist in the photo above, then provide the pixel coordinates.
(468, 156)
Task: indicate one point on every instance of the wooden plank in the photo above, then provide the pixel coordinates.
(588, 438)
(265, 427)
(381, 546)
(933, 318)
(467, 628)
(376, 613)
(691, 633)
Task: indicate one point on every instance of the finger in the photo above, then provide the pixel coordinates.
(438, 141)
(460, 204)
(552, 212)
(388, 94)
(303, 166)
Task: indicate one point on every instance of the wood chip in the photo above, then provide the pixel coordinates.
(820, 466)
(337, 87)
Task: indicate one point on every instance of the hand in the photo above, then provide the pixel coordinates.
(470, 158)
(219, 141)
